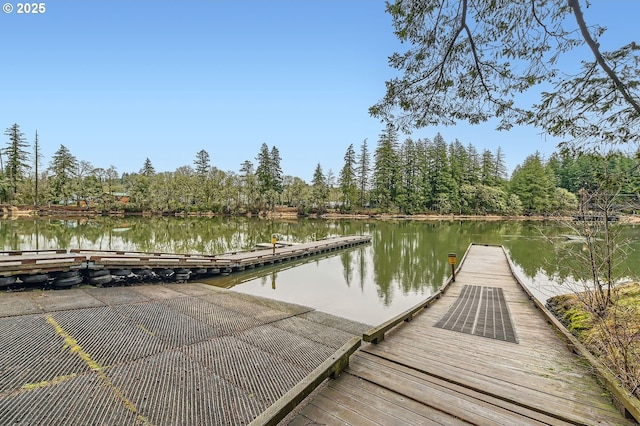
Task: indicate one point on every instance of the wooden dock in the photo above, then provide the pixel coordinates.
(66, 268)
(482, 354)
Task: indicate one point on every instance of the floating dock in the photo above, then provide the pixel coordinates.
(478, 351)
(63, 269)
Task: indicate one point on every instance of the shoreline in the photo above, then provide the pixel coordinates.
(286, 213)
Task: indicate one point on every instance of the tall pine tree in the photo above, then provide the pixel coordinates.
(17, 158)
(63, 168)
(533, 183)
(319, 189)
(347, 178)
(362, 173)
(385, 168)
(202, 163)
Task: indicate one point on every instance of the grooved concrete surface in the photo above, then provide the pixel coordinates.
(166, 354)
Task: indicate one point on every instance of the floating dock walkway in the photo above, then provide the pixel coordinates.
(64, 269)
(482, 353)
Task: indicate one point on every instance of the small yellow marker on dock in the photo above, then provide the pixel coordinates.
(452, 262)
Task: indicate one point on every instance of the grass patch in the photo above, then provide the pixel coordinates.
(613, 337)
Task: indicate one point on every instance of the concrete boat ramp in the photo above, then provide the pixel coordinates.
(164, 354)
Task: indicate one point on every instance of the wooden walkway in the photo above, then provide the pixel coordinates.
(55, 265)
(457, 363)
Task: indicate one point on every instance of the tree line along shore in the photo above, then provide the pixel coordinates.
(413, 177)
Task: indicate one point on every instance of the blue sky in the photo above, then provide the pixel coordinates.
(117, 82)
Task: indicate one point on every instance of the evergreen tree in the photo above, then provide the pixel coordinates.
(409, 198)
(362, 173)
(269, 174)
(263, 171)
(488, 172)
(459, 161)
(204, 192)
(423, 170)
(385, 168)
(17, 158)
(276, 170)
(473, 166)
(533, 184)
(347, 178)
(202, 163)
(500, 167)
(441, 181)
(62, 167)
(147, 168)
(319, 189)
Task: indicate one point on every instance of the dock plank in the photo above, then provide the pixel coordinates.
(456, 400)
(405, 409)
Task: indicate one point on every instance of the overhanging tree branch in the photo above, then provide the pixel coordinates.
(595, 48)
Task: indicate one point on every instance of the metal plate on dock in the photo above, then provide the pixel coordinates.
(107, 336)
(65, 403)
(221, 320)
(480, 311)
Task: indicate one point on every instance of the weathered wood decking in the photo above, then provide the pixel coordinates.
(32, 262)
(422, 374)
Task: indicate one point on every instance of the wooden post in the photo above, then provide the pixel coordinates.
(452, 262)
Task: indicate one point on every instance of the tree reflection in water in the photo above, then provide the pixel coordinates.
(406, 261)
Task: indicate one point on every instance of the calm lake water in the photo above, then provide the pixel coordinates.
(405, 263)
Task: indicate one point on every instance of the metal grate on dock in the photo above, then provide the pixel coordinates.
(480, 311)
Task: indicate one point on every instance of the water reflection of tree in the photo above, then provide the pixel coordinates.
(347, 268)
(411, 256)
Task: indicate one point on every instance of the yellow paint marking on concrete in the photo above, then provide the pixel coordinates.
(74, 347)
(58, 379)
(146, 330)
